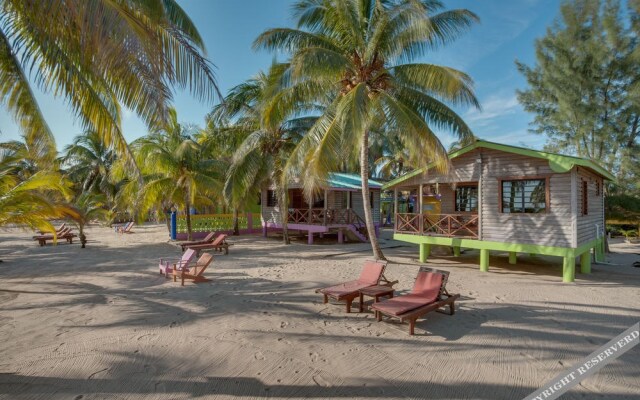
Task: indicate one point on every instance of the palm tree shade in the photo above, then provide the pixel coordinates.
(359, 55)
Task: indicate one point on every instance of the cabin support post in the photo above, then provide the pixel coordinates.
(456, 251)
(484, 260)
(569, 268)
(264, 230)
(310, 238)
(340, 236)
(513, 257)
(425, 251)
(585, 262)
(395, 208)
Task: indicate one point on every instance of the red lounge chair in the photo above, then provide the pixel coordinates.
(219, 244)
(207, 239)
(194, 272)
(372, 273)
(428, 294)
(167, 267)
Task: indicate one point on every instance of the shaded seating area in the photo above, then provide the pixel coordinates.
(206, 240)
(218, 244)
(372, 274)
(428, 294)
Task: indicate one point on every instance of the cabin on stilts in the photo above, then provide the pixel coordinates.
(506, 199)
(337, 210)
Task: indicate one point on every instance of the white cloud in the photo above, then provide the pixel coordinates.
(493, 107)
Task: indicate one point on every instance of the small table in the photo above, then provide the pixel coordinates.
(376, 292)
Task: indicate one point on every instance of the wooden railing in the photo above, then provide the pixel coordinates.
(448, 225)
(322, 216)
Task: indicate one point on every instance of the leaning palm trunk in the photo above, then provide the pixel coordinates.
(236, 227)
(284, 212)
(188, 219)
(366, 205)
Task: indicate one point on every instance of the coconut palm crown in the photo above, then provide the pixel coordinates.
(362, 54)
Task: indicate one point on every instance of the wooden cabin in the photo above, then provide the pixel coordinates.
(505, 199)
(337, 210)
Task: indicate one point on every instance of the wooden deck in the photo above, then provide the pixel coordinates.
(445, 225)
(324, 217)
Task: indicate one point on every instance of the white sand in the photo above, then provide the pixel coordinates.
(101, 323)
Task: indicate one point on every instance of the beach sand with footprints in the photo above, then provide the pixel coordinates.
(101, 323)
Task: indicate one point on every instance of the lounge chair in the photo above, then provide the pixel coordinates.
(371, 275)
(64, 234)
(167, 267)
(207, 239)
(428, 294)
(58, 230)
(126, 228)
(219, 244)
(194, 272)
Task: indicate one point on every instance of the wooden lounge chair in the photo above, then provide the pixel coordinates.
(219, 244)
(207, 239)
(64, 234)
(194, 272)
(58, 230)
(428, 294)
(166, 267)
(372, 274)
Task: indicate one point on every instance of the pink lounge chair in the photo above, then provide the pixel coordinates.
(219, 244)
(167, 267)
(207, 239)
(372, 273)
(126, 228)
(428, 294)
(194, 272)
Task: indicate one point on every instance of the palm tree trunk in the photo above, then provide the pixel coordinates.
(236, 227)
(188, 218)
(366, 205)
(283, 201)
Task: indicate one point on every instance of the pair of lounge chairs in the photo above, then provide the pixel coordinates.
(184, 268)
(210, 242)
(126, 228)
(429, 293)
(63, 233)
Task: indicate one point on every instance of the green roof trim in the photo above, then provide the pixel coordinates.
(341, 180)
(557, 162)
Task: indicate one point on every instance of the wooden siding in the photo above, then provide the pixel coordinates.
(356, 204)
(586, 224)
(463, 169)
(552, 228)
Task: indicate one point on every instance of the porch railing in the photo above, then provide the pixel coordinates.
(448, 225)
(322, 216)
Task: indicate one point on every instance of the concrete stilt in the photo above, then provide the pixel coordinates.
(456, 251)
(513, 257)
(340, 236)
(484, 260)
(310, 238)
(568, 268)
(585, 262)
(425, 251)
(264, 230)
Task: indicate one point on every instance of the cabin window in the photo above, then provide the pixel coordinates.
(466, 199)
(585, 198)
(272, 200)
(598, 189)
(524, 196)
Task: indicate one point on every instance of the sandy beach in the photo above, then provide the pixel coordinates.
(101, 323)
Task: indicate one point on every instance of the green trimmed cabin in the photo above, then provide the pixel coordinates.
(506, 199)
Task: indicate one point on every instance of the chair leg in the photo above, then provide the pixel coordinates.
(452, 308)
(182, 279)
(412, 326)
(349, 305)
(378, 316)
(326, 299)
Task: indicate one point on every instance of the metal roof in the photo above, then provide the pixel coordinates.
(341, 180)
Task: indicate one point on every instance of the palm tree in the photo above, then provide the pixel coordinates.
(33, 200)
(176, 170)
(272, 118)
(89, 206)
(359, 54)
(98, 55)
(89, 163)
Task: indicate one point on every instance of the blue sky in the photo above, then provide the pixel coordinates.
(487, 52)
